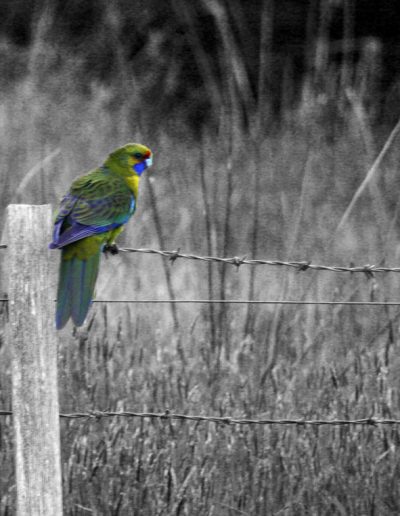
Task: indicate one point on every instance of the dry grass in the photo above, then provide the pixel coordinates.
(313, 362)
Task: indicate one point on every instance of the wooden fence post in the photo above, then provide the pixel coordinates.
(33, 340)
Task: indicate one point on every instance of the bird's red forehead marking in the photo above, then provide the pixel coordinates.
(147, 154)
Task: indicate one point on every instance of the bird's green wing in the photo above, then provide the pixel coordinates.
(97, 202)
(101, 199)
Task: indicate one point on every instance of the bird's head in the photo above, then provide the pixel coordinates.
(129, 160)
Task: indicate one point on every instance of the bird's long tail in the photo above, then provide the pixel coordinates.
(76, 282)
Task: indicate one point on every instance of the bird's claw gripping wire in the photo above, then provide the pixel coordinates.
(110, 248)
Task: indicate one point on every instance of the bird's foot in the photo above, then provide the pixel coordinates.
(110, 248)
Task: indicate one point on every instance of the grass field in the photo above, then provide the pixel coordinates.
(279, 194)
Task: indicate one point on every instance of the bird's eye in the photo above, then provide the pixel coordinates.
(137, 155)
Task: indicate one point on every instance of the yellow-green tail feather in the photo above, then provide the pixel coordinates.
(77, 279)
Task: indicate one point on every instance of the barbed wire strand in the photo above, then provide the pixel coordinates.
(250, 301)
(226, 420)
(240, 302)
(237, 261)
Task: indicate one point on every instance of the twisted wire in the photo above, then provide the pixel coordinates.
(225, 420)
(237, 261)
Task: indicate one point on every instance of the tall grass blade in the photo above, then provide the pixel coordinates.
(35, 170)
(159, 231)
(370, 174)
(208, 230)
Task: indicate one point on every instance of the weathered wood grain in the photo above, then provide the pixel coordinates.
(33, 339)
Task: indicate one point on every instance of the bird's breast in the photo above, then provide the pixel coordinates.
(133, 184)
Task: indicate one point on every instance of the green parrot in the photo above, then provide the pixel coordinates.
(91, 216)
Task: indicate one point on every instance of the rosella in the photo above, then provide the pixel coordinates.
(91, 216)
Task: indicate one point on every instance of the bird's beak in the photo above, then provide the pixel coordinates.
(149, 161)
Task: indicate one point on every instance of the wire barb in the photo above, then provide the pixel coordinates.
(237, 262)
(303, 266)
(174, 255)
(369, 271)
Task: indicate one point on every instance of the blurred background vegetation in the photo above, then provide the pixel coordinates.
(206, 57)
(264, 117)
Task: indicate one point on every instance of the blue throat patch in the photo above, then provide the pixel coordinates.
(139, 168)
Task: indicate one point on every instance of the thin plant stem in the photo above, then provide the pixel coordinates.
(207, 221)
(160, 237)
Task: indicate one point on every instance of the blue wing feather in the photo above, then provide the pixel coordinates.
(77, 232)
